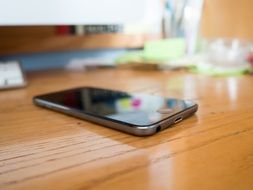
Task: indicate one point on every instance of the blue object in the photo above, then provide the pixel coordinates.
(53, 60)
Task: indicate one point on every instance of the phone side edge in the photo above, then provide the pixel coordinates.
(134, 130)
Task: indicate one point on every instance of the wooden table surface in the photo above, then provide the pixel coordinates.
(42, 149)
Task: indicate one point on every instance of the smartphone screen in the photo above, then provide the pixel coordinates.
(131, 108)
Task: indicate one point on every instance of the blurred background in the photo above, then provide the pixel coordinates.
(205, 36)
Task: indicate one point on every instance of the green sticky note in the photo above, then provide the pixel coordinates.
(164, 50)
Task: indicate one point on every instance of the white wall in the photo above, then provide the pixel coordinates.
(39, 12)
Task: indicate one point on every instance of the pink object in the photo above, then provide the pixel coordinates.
(250, 58)
(136, 103)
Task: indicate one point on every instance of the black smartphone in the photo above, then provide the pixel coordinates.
(135, 113)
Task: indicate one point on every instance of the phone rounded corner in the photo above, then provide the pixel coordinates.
(35, 99)
(195, 107)
(143, 131)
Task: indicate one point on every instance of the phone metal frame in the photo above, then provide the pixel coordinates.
(137, 130)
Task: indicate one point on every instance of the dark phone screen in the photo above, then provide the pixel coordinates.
(134, 108)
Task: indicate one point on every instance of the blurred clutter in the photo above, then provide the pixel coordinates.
(216, 57)
(183, 47)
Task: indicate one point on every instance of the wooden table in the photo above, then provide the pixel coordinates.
(41, 149)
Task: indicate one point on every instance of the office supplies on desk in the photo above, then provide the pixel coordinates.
(224, 57)
(11, 75)
(157, 54)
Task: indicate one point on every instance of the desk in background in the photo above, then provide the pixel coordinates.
(42, 149)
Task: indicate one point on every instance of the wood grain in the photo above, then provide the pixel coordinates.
(42, 149)
(228, 18)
